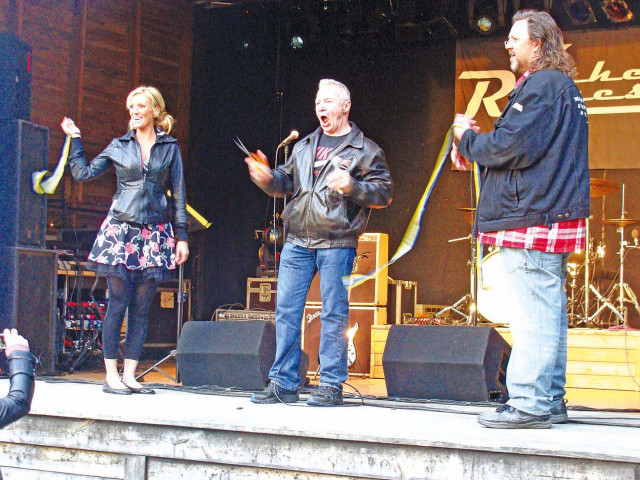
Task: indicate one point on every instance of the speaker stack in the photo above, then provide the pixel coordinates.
(28, 271)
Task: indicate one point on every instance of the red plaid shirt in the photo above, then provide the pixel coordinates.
(562, 237)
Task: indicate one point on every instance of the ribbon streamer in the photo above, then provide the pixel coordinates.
(192, 211)
(413, 230)
(48, 186)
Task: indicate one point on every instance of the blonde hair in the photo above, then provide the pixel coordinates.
(329, 82)
(544, 30)
(160, 116)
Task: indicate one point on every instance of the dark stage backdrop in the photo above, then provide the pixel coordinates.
(402, 98)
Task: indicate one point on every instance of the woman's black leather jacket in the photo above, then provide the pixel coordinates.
(140, 197)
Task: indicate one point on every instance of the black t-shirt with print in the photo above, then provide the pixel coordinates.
(326, 145)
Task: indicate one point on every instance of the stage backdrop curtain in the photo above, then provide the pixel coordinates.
(608, 63)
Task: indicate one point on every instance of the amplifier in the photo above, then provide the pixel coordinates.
(361, 319)
(372, 253)
(224, 315)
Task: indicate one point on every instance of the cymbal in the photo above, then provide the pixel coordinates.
(466, 209)
(621, 222)
(601, 187)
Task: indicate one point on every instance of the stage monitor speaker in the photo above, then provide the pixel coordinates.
(24, 149)
(226, 354)
(15, 78)
(446, 362)
(28, 298)
(229, 354)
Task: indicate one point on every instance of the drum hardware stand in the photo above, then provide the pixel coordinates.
(181, 298)
(472, 317)
(625, 294)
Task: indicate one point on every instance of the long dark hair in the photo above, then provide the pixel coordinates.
(544, 30)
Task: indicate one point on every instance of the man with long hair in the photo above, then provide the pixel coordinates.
(533, 204)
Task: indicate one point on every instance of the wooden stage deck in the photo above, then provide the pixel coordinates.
(77, 432)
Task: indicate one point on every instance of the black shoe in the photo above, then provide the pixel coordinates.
(326, 396)
(507, 416)
(115, 391)
(559, 413)
(141, 390)
(274, 394)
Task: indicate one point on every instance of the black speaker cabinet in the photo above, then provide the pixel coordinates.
(229, 354)
(24, 149)
(446, 362)
(15, 77)
(28, 298)
(226, 354)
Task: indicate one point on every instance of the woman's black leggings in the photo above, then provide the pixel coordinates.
(136, 295)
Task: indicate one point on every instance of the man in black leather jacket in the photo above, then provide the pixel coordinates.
(335, 176)
(22, 372)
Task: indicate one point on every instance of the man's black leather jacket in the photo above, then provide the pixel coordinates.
(318, 217)
(17, 403)
(140, 198)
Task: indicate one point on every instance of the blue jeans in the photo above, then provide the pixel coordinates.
(298, 265)
(536, 374)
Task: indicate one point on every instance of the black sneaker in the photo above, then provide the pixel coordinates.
(326, 396)
(275, 394)
(507, 416)
(559, 413)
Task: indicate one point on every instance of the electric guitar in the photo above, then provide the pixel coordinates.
(352, 353)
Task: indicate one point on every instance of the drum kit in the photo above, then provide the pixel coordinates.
(595, 297)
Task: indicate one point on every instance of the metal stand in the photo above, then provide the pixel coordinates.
(625, 294)
(172, 354)
(472, 317)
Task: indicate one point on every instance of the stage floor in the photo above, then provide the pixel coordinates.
(77, 431)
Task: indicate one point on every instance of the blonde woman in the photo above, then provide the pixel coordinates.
(144, 235)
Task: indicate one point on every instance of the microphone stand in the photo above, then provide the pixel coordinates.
(173, 353)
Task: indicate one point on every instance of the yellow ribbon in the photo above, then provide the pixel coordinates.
(41, 186)
(203, 221)
(413, 230)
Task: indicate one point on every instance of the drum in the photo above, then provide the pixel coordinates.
(493, 304)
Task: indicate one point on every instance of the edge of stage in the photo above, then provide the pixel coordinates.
(76, 431)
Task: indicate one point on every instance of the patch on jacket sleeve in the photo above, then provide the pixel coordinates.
(517, 106)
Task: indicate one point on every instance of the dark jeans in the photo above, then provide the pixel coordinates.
(136, 295)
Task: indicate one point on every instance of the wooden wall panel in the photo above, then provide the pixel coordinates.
(87, 56)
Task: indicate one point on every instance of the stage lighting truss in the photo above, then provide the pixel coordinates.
(579, 12)
(486, 16)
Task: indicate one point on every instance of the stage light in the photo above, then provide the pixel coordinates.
(297, 42)
(485, 24)
(617, 11)
(579, 11)
(486, 16)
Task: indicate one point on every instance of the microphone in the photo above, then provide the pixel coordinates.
(292, 136)
(635, 234)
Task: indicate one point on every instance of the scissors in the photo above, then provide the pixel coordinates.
(255, 157)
